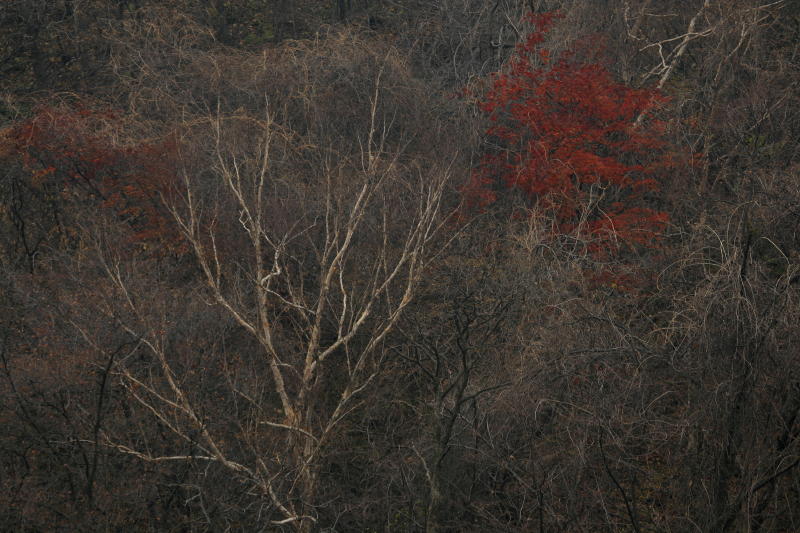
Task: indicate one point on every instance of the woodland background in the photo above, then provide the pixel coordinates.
(273, 265)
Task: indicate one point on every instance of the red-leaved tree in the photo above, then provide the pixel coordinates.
(575, 143)
(74, 152)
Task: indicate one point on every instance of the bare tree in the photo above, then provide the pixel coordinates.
(313, 246)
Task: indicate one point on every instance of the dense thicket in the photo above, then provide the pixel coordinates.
(367, 265)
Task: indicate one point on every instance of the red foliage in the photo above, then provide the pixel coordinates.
(73, 151)
(570, 139)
